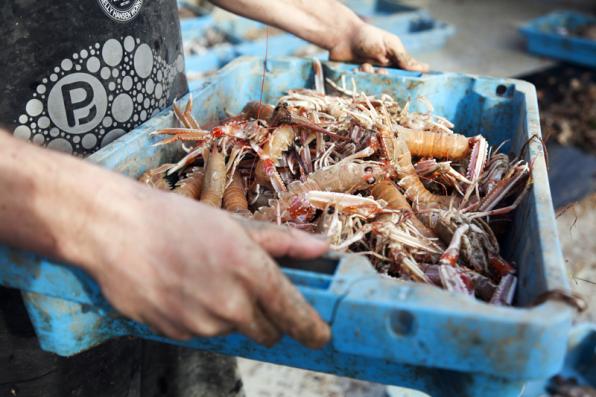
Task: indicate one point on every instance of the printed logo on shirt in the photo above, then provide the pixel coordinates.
(121, 10)
(97, 95)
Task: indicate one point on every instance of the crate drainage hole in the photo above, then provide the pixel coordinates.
(401, 322)
(501, 90)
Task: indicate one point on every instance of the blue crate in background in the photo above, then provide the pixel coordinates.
(193, 27)
(199, 66)
(384, 330)
(417, 29)
(546, 36)
(199, 11)
(283, 44)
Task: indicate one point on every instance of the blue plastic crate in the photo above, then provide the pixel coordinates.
(384, 330)
(580, 363)
(192, 27)
(199, 66)
(544, 37)
(197, 10)
(417, 29)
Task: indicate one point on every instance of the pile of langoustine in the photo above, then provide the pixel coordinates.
(343, 165)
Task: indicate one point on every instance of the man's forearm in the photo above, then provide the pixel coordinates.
(323, 22)
(48, 201)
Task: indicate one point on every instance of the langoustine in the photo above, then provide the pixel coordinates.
(374, 177)
(346, 177)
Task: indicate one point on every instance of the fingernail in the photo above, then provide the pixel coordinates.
(323, 337)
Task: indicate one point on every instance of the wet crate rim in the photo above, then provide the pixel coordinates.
(550, 320)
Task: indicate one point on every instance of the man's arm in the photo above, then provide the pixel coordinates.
(182, 267)
(330, 25)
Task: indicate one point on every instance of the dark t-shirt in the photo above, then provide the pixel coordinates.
(78, 74)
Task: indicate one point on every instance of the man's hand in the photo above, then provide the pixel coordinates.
(187, 269)
(182, 267)
(373, 45)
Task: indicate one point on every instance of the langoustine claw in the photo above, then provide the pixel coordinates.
(156, 177)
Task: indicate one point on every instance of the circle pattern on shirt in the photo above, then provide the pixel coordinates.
(96, 95)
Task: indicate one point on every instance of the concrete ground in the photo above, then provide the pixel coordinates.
(577, 228)
(487, 42)
(268, 380)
